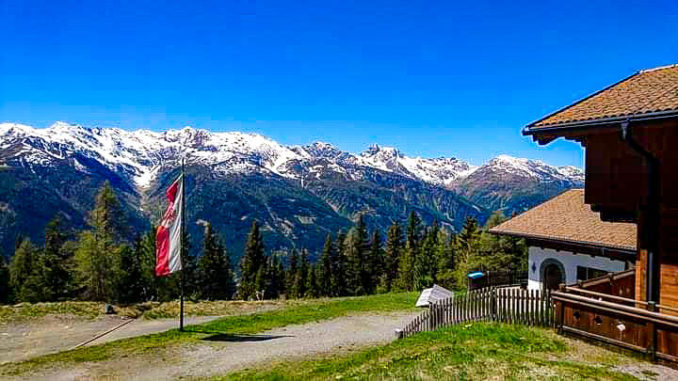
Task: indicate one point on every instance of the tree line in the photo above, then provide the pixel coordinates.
(102, 264)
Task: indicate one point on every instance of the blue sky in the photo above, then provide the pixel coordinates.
(432, 78)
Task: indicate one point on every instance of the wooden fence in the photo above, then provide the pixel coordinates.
(507, 305)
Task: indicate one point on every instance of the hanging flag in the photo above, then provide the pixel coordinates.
(168, 235)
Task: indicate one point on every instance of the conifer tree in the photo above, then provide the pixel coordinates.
(467, 251)
(98, 254)
(22, 270)
(406, 266)
(132, 280)
(446, 261)
(5, 289)
(214, 268)
(55, 262)
(393, 251)
(291, 275)
(301, 280)
(312, 282)
(357, 248)
(325, 267)
(425, 262)
(340, 267)
(252, 260)
(375, 262)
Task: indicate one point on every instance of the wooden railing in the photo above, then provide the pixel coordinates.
(632, 324)
(507, 305)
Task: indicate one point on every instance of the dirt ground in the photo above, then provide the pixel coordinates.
(222, 354)
(26, 339)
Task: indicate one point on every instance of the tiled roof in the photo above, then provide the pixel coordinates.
(648, 91)
(566, 218)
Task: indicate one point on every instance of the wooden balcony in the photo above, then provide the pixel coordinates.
(605, 309)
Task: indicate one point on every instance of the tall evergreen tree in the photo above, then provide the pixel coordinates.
(291, 275)
(325, 267)
(375, 262)
(252, 260)
(357, 248)
(340, 267)
(301, 281)
(132, 281)
(215, 276)
(24, 273)
(312, 289)
(425, 262)
(446, 261)
(98, 254)
(393, 251)
(467, 251)
(5, 289)
(55, 262)
(407, 260)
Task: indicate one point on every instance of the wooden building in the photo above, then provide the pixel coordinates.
(629, 130)
(567, 242)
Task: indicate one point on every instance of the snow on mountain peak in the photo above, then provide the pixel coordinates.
(140, 155)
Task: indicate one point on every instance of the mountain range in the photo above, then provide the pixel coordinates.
(298, 193)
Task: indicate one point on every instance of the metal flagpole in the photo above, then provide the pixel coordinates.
(183, 245)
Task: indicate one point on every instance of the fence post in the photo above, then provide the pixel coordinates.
(561, 315)
(652, 333)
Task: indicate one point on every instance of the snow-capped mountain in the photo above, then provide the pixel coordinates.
(141, 155)
(299, 193)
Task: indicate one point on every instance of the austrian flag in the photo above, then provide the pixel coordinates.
(168, 235)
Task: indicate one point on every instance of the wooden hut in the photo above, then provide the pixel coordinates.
(629, 130)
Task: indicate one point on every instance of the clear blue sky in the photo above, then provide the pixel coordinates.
(430, 78)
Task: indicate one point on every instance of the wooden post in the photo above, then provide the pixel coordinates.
(561, 314)
(652, 333)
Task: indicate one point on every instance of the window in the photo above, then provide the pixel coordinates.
(586, 273)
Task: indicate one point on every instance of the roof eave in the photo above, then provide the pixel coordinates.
(583, 124)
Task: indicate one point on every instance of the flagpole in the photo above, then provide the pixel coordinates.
(183, 245)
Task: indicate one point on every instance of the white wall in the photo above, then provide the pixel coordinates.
(570, 261)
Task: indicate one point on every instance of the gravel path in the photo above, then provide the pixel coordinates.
(24, 340)
(225, 353)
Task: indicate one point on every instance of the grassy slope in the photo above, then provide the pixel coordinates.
(476, 351)
(149, 310)
(301, 312)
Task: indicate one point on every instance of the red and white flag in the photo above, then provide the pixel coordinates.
(168, 235)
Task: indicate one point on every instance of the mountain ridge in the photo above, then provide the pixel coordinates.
(299, 193)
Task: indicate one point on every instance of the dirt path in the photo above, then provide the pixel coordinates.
(24, 340)
(222, 354)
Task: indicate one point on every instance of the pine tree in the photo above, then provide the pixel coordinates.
(252, 260)
(393, 251)
(325, 267)
(425, 262)
(446, 254)
(312, 282)
(5, 289)
(375, 262)
(301, 281)
(467, 251)
(132, 280)
(98, 254)
(357, 248)
(406, 266)
(22, 271)
(291, 275)
(340, 267)
(55, 262)
(215, 276)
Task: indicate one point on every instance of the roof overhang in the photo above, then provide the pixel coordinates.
(546, 134)
(577, 247)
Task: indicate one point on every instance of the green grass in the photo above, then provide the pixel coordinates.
(475, 351)
(295, 313)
